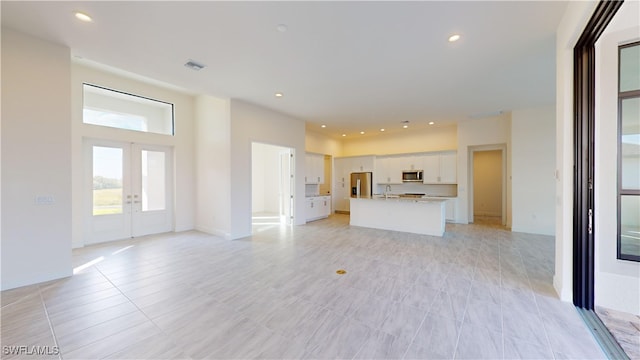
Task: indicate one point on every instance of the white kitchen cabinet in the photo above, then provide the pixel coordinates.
(449, 168)
(341, 184)
(408, 162)
(325, 202)
(341, 196)
(450, 208)
(343, 167)
(361, 163)
(314, 169)
(310, 209)
(317, 207)
(440, 168)
(388, 170)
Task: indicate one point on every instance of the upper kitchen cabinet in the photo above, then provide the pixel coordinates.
(389, 169)
(345, 166)
(385, 172)
(314, 169)
(361, 163)
(440, 168)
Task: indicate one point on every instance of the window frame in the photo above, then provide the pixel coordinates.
(173, 109)
(623, 95)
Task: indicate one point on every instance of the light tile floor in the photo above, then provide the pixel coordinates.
(624, 327)
(479, 292)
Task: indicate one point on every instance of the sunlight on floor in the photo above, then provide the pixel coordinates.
(89, 264)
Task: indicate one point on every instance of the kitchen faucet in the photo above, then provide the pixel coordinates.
(387, 189)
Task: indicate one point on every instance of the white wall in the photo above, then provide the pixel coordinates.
(617, 282)
(322, 144)
(213, 169)
(265, 167)
(182, 142)
(251, 123)
(474, 133)
(571, 26)
(410, 141)
(36, 160)
(533, 183)
(487, 183)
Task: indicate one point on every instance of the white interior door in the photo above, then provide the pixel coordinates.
(128, 190)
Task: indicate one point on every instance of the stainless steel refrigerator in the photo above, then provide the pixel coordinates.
(361, 184)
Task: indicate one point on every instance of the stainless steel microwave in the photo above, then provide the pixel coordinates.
(412, 175)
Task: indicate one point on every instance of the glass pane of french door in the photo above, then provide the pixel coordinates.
(107, 180)
(153, 180)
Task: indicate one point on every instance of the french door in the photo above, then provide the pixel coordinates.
(128, 191)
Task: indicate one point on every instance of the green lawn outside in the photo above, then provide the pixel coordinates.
(107, 201)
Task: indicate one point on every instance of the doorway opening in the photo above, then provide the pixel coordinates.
(487, 185)
(273, 184)
(128, 190)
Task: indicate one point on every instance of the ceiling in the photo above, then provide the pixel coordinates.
(353, 66)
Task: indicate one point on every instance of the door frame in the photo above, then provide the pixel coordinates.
(584, 67)
(478, 148)
(287, 186)
(292, 178)
(584, 209)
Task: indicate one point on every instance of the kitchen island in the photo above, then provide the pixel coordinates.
(414, 215)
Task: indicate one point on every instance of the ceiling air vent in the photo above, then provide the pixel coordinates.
(193, 65)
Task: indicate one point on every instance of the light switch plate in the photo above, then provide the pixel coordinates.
(45, 200)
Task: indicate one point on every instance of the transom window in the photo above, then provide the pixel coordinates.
(629, 152)
(116, 109)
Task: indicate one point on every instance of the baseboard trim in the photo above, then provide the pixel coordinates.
(214, 232)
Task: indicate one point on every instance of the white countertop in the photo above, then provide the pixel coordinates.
(408, 199)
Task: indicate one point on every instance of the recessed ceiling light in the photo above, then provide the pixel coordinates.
(83, 17)
(282, 27)
(381, 129)
(279, 95)
(344, 134)
(361, 132)
(323, 126)
(431, 123)
(454, 37)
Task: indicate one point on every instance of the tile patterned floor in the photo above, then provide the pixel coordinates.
(479, 292)
(624, 327)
